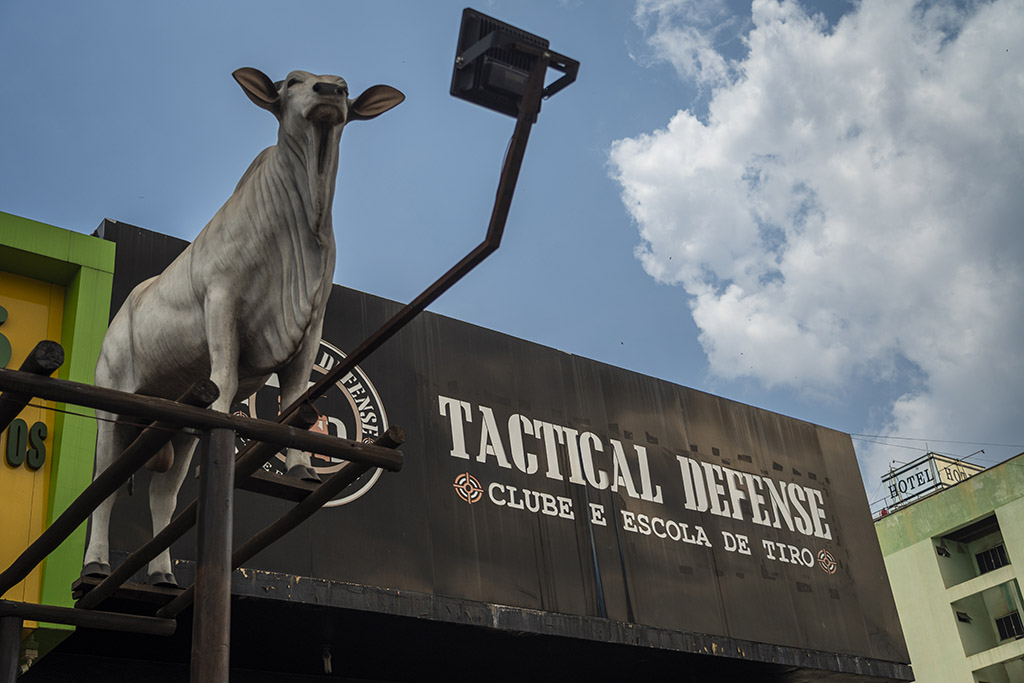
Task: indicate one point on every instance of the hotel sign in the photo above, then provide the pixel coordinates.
(925, 475)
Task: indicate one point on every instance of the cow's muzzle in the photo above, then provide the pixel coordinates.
(329, 89)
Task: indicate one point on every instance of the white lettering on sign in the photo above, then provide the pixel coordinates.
(785, 552)
(719, 490)
(459, 413)
(647, 525)
(591, 462)
(531, 501)
(735, 543)
(525, 461)
(584, 458)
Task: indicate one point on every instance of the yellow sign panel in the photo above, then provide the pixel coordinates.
(30, 311)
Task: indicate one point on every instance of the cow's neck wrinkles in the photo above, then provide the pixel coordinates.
(308, 164)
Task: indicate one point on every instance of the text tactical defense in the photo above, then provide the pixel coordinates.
(561, 453)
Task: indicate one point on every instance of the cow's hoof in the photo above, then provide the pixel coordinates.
(162, 580)
(304, 473)
(98, 570)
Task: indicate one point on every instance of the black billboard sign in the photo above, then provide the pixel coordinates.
(545, 481)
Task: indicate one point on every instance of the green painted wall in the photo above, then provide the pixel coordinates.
(84, 265)
(955, 507)
(927, 603)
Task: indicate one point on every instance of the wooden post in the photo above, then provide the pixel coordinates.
(248, 461)
(10, 648)
(180, 415)
(44, 359)
(349, 473)
(109, 621)
(211, 622)
(202, 393)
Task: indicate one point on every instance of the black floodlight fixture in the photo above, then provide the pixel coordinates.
(494, 61)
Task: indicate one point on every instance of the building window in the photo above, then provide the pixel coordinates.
(993, 558)
(1010, 626)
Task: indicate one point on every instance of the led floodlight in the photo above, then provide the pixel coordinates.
(494, 60)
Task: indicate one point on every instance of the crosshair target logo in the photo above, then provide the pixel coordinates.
(468, 488)
(827, 561)
(351, 409)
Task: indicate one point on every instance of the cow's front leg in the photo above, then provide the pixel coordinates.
(221, 315)
(294, 380)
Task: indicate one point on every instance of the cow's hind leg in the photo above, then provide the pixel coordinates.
(111, 439)
(163, 498)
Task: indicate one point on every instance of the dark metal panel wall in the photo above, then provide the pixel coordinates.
(636, 555)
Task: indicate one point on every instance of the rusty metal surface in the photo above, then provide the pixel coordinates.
(282, 623)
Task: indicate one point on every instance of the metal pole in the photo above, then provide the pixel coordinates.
(202, 393)
(528, 108)
(10, 647)
(211, 623)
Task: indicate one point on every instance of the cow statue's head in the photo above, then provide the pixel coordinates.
(305, 102)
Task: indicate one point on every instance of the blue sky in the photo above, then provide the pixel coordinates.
(809, 207)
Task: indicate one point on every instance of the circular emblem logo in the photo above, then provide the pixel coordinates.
(827, 562)
(351, 409)
(468, 487)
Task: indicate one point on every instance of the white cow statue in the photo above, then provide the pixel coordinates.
(246, 299)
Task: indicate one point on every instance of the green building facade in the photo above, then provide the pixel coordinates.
(955, 560)
(54, 284)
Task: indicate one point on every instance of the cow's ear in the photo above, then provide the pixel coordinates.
(374, 101)
(259, 89)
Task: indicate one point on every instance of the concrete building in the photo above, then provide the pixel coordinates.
(955, 560)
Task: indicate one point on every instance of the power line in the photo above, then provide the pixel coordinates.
(917, 449)
(963, 443)
(882, 443)
(120, 421)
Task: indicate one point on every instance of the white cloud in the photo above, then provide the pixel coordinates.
(853, 200)
(685, 33)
